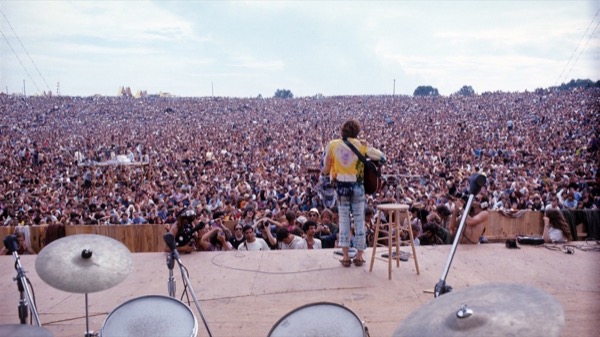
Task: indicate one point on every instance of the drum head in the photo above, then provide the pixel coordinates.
(319, 319)
(148, 316)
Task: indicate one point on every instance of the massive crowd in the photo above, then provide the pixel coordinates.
(116, 160)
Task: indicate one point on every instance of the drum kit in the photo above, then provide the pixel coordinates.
(91, 263)
(483, 310)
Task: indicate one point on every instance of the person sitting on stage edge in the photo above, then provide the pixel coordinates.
(475, 223)
(556, 228)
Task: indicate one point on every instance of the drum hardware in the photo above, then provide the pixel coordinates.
(26, 300)
(84, 263)
(498, 309)
(319, 319)
(477, 181)
(464, 312)
(173, 256)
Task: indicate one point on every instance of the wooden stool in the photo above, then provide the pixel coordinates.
(393, 212)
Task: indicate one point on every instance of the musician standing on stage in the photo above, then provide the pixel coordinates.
(346, 172)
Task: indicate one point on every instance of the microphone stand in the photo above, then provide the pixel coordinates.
(441, 287)
(476, 182)
(171, 283)
(24, 293)
(174, 256)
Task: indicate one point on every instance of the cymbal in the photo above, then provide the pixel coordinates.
(84, 263)
(497, 309)
(12, 330)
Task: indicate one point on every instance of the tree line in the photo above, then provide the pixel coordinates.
(467, 90)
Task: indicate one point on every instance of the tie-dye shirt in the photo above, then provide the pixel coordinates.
(341, 164)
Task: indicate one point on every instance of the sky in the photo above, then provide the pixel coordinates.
(251, 48)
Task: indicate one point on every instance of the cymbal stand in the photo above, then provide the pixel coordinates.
(441, 287)
(88, 333)
(174, 256)
(26, 300)
(86, 254)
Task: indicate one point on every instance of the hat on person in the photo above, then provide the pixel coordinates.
(301, 219)
(314, 210)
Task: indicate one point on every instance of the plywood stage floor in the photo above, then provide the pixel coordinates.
(246, 293)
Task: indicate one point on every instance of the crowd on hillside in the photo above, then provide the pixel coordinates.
(114, 160)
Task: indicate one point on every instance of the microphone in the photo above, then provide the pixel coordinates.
(170, 241)
(476, 182)
(11, 243)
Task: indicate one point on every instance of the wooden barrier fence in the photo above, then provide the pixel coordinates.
(148, 238)
(501, 227)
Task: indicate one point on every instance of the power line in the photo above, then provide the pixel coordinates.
(26, 52)
(581, 51)
(576, 48)
(18, 58)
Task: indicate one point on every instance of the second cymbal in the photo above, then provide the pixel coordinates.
(485, 310)
(84, 263)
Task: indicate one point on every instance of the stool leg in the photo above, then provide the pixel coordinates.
(412, 243)
(389, 244)
(375, 241)
(397, 237)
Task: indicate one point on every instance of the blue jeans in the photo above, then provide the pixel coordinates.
(353, 201)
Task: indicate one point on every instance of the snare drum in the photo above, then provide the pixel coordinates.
(152, 315)
(319, 319)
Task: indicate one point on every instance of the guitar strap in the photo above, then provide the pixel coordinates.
(361, 157)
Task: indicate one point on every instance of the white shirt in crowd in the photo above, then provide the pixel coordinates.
(258, 244)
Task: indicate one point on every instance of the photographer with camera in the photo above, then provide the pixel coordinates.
(216, 239)
(264, 230)
(187, 231)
